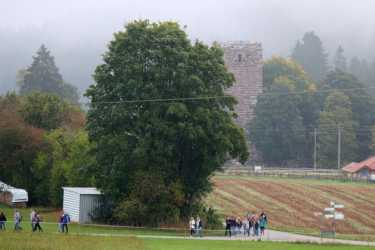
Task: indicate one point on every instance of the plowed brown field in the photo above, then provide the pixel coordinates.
(290, 204)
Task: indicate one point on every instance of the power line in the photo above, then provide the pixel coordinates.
(181, 99)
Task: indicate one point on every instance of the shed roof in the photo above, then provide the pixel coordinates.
(357, 166)
(83, 190)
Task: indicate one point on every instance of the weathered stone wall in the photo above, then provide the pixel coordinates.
(245, 61)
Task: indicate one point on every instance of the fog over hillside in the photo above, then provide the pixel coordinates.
(77, 32)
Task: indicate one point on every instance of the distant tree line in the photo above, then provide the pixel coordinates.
(330, 100)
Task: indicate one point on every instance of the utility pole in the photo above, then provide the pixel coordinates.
(315, 149)
(339, 147)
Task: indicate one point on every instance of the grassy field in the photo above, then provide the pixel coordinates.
(291, 203)
(48, 241)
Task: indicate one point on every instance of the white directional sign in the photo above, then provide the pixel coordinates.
(338, 206)
(339, 216)
(329, 209)
(329, 216)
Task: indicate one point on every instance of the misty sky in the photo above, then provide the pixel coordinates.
(68, 25)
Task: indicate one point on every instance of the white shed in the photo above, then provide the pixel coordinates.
(80, 203)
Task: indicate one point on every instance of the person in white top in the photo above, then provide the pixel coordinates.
(32, 216)
(192, 226)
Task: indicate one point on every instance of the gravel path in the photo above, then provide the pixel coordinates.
(271, 235)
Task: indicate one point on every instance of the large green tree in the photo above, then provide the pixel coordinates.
(44, 76)
(337, 114)
(311, 55)
(151, 142)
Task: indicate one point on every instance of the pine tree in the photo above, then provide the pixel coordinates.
(355, 67)
(311, 55)
(339, 60)
(44, 76)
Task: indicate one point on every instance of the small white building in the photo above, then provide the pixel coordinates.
(80, 203)
(13, 196)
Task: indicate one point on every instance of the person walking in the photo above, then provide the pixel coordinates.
(256, 226)
(60, 222)
(37, 219)
(192, 226)
(17, 221)
(228, 225)
(199, 226)
(245, 225)
(263, 221)
(65, 222)
(32, 216)
(3, 220)
(251, 224)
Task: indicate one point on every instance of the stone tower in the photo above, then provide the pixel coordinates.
(245, 61)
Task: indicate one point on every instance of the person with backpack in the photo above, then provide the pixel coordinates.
(17, 221)
(36, 222)
(199, 226)
(3, 220)
(65, 222)
(263, 221)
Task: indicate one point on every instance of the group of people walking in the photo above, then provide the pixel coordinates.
(251, 225)
(196, 226)
(35, 220)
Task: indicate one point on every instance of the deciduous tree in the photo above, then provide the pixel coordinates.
(141, 122)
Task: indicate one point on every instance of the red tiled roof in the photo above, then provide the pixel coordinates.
(356, 166)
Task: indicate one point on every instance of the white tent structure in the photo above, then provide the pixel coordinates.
(13, 196)
(80, 202)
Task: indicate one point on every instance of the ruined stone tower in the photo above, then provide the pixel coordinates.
(245, 61)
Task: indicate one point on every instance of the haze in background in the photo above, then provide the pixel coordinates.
(77, 32)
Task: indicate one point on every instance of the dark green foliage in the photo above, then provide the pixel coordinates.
(175, 143)
(337, 114)
(364, 72)
(67, 161)
(38, 160)
(280, 128)
(44, 111)
(43, 76)
(362, 107)
(311, 56)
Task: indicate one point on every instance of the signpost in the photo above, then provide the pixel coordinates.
(330, 213)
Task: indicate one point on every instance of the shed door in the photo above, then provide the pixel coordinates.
(89, 203)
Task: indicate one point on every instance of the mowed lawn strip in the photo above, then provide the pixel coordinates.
(46, 241)
(176, 244)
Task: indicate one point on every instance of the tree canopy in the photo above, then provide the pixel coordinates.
(150, 150)
(310, 54)
(42, 143)
(280, 128)
(44, 76)
(337, 115)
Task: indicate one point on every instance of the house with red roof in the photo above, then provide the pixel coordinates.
(361, 170)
